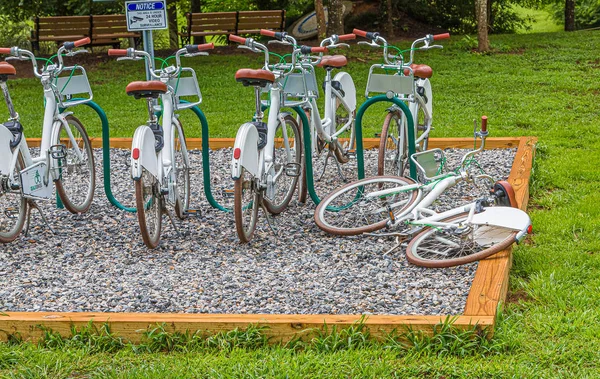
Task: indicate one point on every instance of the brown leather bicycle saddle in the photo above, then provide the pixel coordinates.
(7, 69)
(250, 77)
(335, 61)
(420, 71)
(150, 88)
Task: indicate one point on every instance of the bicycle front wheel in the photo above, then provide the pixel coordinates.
(351, 210)
(13, 206)
(393, 151)
(287, 159)
(76, 183)
(148, 200)
(245, 205)
(181, 165)
(436, 247)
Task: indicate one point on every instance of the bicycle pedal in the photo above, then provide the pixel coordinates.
(193, 212)
(58, 152)
(293, 169)
(228, 193)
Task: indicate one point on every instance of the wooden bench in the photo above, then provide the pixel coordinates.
(102, 29)
(224, 23)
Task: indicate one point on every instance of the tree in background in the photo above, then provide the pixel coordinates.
(481, 11)
(335, 17)
(569, 15)
(172, 19)
(320, 14)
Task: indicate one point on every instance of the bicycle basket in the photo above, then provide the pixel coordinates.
(384, 82)
(300, 85)
(72, 84)
(430, 165)
(185, 88)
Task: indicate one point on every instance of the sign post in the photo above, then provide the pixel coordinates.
(146, 16)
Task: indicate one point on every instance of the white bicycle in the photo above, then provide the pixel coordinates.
(410, 83)
(461, 235)
(160, 165)
(65, 158)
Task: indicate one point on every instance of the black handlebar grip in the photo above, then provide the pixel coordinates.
(191, 49)
(305, 49)
(372, 35)
(279, 35)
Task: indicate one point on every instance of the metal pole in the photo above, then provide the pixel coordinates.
(149, 48)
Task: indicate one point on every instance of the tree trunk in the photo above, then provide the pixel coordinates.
(196, 7)
(320, 13)
(482, 26)
(389, 21)
(172, 18)
(335, 17)
(569, 15)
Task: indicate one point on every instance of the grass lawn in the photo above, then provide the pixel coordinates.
(544, 85)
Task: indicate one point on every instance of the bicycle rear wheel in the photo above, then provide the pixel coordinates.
(287, 150)
(13, 206)
(350, 210)
(77, 180)
(245, 206)
(435, 247)
(341, 148)
(181, 166)
(148, 200)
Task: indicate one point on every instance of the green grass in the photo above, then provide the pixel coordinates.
(542, 21)
(545, 85)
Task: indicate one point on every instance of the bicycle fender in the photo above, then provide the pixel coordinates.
(349, 89)
(245, 151)
(5, 152)
(504, 217)
(425, 83)
(144, 142)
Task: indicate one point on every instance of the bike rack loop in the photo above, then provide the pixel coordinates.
(411, 128)
(106, 159)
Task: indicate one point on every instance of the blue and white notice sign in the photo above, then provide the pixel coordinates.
(146, 15)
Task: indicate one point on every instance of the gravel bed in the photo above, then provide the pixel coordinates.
(97, 261)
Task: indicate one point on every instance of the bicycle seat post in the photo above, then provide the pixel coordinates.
(259, 113)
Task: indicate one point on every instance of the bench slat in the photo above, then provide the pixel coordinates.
(260, 13)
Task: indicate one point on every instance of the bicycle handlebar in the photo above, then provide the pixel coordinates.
(117, 52)
(484, 124)
(4, 50)
(79, 42)
(238, 39)
(441, 36)
(347, 37)
(191, 49)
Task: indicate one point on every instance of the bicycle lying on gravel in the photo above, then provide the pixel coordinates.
(65, 157)
(410, 83)
(461, 235)
(160, 165)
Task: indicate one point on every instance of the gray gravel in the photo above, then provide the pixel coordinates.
(97, 261)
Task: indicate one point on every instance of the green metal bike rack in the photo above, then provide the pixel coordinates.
(411, 126)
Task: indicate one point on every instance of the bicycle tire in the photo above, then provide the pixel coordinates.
(245, 210)
(342, 211)
(391, 159)
(9, 231)
(69, 193)
(285, 185)
(181, 165)
(148, 200)
(504, 237)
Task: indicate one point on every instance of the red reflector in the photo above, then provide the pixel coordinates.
(236, 153)
(530, 229)
(136, 153)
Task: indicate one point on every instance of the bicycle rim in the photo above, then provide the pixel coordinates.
(148, 201)
(438, 247)
(13, 206)
(182, 171)
(350, 211)
(245, 206)
(287, 149)
(76, 183)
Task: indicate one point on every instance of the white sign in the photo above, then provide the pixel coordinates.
(146, 15)
(32, 182)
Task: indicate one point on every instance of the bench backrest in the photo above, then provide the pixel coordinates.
(109, 24)
(68, 26)
(212, 23)
(254, 21)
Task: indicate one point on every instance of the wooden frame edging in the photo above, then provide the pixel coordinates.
(487, 293)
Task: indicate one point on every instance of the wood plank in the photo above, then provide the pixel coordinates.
(280, 327)
(53, 19)
(212, 15)
(369, 143)
(490, 284)
(274, 13)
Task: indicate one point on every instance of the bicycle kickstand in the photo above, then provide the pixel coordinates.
(33, 205)
(330, 154)
(269, 220)
(170, 216)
